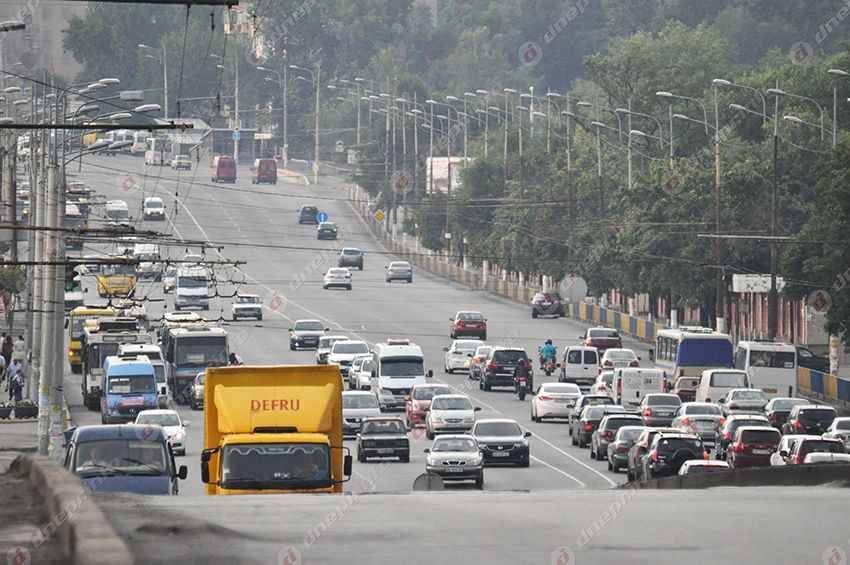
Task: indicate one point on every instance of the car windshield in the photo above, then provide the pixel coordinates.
(842, 425)
(120, 456)
(153, 204)
(673, 444)
(556, 388)
(820, 446)
(262, 465)
(327, 225)
(617, 423)
(359, 401)
(728, 380)
(428, 392)
(454, 444)
(248, 299)
(598, 400)
(309, 327)
(761, 436)
(748, 395)
(327, 342)
(607, 377)
(786, 404)
(354, 252)
(131, 384)
(466, 345)
(603, 333)
(349, 348)
(817, 414)
(620, 354)
(703, 409)
(628, 434)
(382, 427)
(470, 317)
(497, 429)
(192, 282)
(662, 400)
(338, 272)
(160, 419)
(597, 412)
(208, 351)
(687, 383)
(402, 368)
(508, 357)
(367, 365)
(482, 351)
(451, 403)
(399, 265)
(737, 423)
(309, 210)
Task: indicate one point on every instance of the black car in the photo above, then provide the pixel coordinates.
(305, 334)
(547, 304)
(607, 430)
(502, 442)
(725, 433)
(586, 400)
(383, 437)
(778, 409)
(350, 257)
(307, 215)
(808, 359)
(499, 367)
(326, 230)
(589, 420)
(639, 449)
(812, 419)
(668, 453)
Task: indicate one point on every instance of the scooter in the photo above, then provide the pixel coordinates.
(521, 388)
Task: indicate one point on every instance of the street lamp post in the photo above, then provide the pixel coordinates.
(843, 74)
(779, 92)
(315, 79)
(162, 58)
(284, 84)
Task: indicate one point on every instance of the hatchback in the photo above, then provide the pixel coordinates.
(658, 410)
(326, 230)
(458, 355)
(752, 446)
(809, 419)
(547, 304)
(308, 215)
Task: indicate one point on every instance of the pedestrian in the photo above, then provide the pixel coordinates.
(19, 349)
(7, 348)
(17, 386)
(14, 369)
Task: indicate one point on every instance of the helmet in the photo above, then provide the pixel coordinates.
(521, 361)
(548, 342)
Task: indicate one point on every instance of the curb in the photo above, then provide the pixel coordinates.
(785, 476)
(85, 536)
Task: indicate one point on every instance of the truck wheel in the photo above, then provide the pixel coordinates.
(404, 457)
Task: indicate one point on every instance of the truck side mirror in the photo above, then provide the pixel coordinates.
(66, 323)
(347, 463)
(205, 467)
(183, 472)
(186, 424)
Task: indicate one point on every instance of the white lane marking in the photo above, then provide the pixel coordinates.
(559, 471)
(582, 463)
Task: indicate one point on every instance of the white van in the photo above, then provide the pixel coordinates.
(715, 383)
(631, 384)
(148, 256)
(397, 366)
(580, 366)
(191, 289)
(772, 367)
(117, 211)
(154, 354)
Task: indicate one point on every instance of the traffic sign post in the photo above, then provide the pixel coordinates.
(322, 217)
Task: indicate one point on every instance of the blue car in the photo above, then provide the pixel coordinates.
(129, 386)
(124, 458)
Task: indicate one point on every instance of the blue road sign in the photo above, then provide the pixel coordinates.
(236, 135)
(322, 217)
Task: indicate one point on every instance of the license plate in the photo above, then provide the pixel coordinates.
(501, 454)
(663, 413)
(384, 451)
(454, 470)
(761, 451)
(561, 400)
(769, 390)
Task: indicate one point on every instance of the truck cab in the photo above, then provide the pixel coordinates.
(192, 287)
(129, 387)
(124, 458)
(273, 430)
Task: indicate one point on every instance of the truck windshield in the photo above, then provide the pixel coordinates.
(192, 282)
(276, 466)
(100, 351)
(132, 384)
(402, 368)
(201, 351)
(120, 457)
(118, 270)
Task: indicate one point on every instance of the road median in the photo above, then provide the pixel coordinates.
(787, 476)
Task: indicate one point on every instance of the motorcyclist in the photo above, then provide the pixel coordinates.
(548, 351)
(522, 371)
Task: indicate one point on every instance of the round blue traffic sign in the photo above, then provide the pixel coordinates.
(322, 217)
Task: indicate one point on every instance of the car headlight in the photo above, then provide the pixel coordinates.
(479, 459)
(179, 436)
(415, 405)
(435, 418)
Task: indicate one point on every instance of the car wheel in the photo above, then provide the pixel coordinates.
(582, 443)
(484, 336)
(481, 385)
(361, 457)
(479, 482)
(534, 314)
(592, 455)
(610, 467)
(234, 317)
(292, 346)
(599, 456)
(410, 280)
(428, 433)
(573, 440)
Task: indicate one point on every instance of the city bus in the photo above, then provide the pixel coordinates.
(689, 350)
(772, 367)
(116, 279)
(157, 151)
(76, 328)
(101, 341)
(188, 351)
(74, 220)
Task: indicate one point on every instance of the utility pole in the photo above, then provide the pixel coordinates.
(719, 284)
(48, 363)
(37, 253)
(285, 110)
(165, 81)
(236, 121)
(57, 325)
(316, 146)
(773, 295)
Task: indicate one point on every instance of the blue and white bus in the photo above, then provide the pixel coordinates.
(688, 351)
(129, 386)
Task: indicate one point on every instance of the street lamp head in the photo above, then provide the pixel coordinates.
(539, 114)
(6, 120)
(88, 108)
(793, 119)
(416, 111)
(147, 108)
(120, 144)
(20, 102)
(637, 132)
(493, 108)
(108, 81)
(268, 79)
(11, 89)
(680, 117)
(482, 92)
(597, 125)
(776, 92)
(551, 94)
(568, 114)
(119, 116)
(402, 100)
(430, 101)
(472, 94)
(99, 144)
(384, 95)
(452, 98)
(664, 94)
(721, 82)
(838, 73)
(583, 104)
(143, 46)
(509, 90)
(96, 86)
(220, 67)
(738, 108)
(359, 79)
(526, 95)
(295, 68)
(373, 97)
(262, 68)
(621, 111)
(521, 109)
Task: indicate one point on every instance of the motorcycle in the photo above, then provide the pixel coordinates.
(549, 366)
(521, 388)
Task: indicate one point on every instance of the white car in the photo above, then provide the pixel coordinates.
(337, 277)
(169, 279)
(459, 354)
(603, 383)
(181, 162)
(786, 443)
(698, 466)
(360, 373)
(450, 413)
(356, 405)
(343, 353)
(618, 359)
(553, 400)
(174, 426)
(839, 429)
(325, 344)
(153, 208)
(246, 306)
(826, 458)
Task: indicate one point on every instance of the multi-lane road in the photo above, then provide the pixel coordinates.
(568, 513)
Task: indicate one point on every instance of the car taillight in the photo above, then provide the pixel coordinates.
(727, 435)
(544, 398)
(608, 363)
(587, 427)
(622, 449)
(664, 384)
(795, 460)
(634, 363)
(721, 422)
(798, 425)
(619, 387)
(607, 434)
(493, 366)
(705, 455)
(686, 421)
(733, 406)
(589, 342)
(647, 412)
(738, 447)
(774, 417)
(841, 437)
(653, 455)
(478, 359)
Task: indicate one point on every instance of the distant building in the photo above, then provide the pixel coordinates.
(441, 169)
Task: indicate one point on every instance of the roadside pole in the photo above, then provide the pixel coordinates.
(32, 389)
(37, 217)
(47, 350)
(57, 323)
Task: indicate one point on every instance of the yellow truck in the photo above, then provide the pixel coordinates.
(275, 429)
(76, 329)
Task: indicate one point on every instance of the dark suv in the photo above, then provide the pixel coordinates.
(668, 452)
(806, 358)
(725, 433)
(350, 257)
(640, 448)
(589, 420)
(581, 402)
(812, 419)
(547, 304)
(307, 215)
(606, 431)
(499, 367)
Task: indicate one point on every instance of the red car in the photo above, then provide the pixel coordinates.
(469, 324)
(752, 447)
(602, 338)
(419, 401)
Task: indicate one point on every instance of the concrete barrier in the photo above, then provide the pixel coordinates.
(787, 476)
(85, 536)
